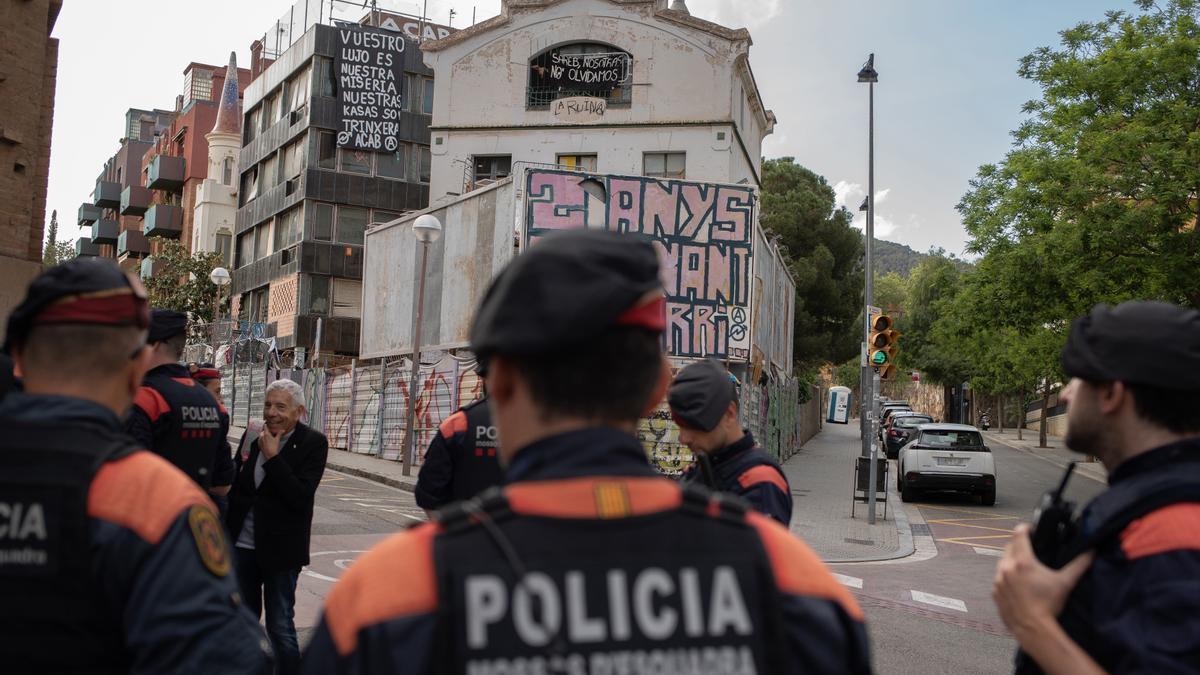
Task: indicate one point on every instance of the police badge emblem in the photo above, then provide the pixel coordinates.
(210, 540)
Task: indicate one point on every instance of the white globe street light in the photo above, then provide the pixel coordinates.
(427, 229)
(220, 276)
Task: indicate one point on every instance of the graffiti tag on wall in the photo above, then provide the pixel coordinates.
(703, 236)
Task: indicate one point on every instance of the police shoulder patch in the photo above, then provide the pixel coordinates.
(210, 540)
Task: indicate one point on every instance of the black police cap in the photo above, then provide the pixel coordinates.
(166, 324)
(568, 288)
(80, 291)
(700, 395)
(1149, 343)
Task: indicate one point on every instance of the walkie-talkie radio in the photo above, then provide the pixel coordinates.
(707, 475)
(1054, 524)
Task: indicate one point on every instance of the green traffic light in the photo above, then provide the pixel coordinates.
(879, 359)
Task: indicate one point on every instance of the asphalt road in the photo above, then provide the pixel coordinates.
(932, 612)
(929, 613)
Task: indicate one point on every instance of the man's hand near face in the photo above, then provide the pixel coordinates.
(268, 443)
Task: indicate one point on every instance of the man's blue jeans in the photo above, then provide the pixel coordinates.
(277, 592)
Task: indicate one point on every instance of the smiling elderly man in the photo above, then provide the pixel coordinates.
(270, 514)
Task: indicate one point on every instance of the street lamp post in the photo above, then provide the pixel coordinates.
(427, 230)
(870, 76)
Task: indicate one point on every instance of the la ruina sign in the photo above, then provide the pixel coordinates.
(369, 67)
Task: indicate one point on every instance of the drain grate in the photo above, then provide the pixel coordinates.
(921, 529)
(861, 542)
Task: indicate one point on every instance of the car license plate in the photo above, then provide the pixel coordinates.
(952, 461)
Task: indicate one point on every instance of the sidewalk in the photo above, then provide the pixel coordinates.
(821, 477)
(1057, 452)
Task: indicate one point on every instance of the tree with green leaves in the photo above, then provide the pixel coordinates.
(1101, 187)
(824, 256)
(181, 281)
(55, 251)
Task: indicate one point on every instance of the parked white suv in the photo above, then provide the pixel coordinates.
(946, 457)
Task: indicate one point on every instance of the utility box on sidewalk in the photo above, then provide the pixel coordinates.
(839, 405)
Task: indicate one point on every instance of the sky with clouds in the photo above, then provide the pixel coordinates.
(947, 99)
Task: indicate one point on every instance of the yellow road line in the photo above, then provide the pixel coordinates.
(991, 514)
(977, 527)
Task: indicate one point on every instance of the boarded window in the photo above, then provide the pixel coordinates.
(347, 298)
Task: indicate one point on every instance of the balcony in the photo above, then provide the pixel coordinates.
(166, 173)
(135, 199)
(105, 231)
(133, 243)
(86, 249)
(88, 214)
(151, 267)
(163, 220)
(108, 194)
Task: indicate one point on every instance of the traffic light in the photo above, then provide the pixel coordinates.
(881, 352)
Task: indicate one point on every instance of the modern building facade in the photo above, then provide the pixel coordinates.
(121, 197)
(29, 63)
(627, 87)
(147, 192)
(304, 202)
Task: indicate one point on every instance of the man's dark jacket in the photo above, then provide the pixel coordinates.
(283, 503)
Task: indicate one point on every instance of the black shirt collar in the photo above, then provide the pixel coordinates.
(1151, 460)
(735, 450)
(598, 451)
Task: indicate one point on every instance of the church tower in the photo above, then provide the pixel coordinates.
(216, 200)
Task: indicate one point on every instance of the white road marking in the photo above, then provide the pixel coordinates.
(989, 551)
(322, 577)
(852, 582)
(939, 601)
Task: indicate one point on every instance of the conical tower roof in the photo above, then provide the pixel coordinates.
(229, 114)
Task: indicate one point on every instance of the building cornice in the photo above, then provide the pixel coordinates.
(506, 11)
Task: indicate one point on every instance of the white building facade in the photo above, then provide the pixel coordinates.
(626, 87)
(216, 197)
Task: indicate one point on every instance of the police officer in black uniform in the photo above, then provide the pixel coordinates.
(462, 460)
(704, 403)
(176, 416)
(111, 559)
(587, 560)
(1117, 589)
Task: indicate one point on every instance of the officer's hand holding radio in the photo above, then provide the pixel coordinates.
(1030, 596)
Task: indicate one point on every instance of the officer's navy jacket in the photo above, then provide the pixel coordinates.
(1137, 608)
(160, 564)
(198, 446)
(594, 563)
(462, 460)
(746, 470)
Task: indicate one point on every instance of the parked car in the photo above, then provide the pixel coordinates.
(946, 457)
(888, 407)
(901, 430)
(889, 416)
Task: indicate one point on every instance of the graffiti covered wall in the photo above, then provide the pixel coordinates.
(703, 233)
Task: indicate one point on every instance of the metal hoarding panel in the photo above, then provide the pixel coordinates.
(477, 242)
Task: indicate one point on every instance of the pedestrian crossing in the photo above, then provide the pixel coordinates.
(915, 595)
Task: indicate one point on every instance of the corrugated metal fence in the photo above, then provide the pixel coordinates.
(363, 407)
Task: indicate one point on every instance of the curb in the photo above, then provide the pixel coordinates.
(903, 528)
(1049, 460)
(371, 476)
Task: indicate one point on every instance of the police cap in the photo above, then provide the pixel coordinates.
(166, 324)
(80, 291)
(566, 290)
(700, 395)
(1150, 343)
